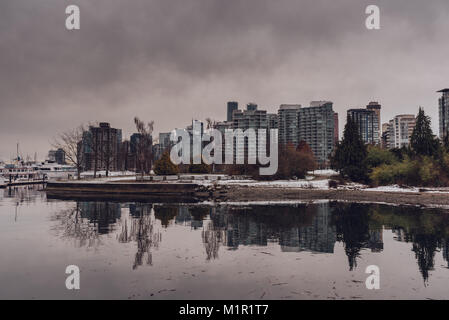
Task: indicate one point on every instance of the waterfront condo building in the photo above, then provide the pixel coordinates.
(385, 135)
(336, 135)
(57, 156)
(316, 126)
(232, 105)
(288, 121)
(273, 121)
(367, 122)
(101, 146)
(376, 107)
(400, 130)
(443, 111)
(251, 118)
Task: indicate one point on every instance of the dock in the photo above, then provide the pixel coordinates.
(22, 183)
(129, 190)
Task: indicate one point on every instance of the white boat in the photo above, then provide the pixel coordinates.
(19, 174)
(54, 171)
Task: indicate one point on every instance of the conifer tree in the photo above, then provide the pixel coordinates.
(164, 166)
(423, 142)
(350, 155)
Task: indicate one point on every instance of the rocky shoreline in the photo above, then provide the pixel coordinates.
(243, 193)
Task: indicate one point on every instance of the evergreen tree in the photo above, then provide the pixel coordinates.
(199, 168)
(164, 166)
(350, 155)
(423, 142)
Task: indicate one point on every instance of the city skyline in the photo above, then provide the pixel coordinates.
(130, 60)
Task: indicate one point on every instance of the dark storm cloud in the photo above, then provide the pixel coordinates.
(171, 60)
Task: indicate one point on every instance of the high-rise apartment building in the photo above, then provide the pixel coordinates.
(367, 122)
(336, 128)
(251, 118)
(273, 121)
(376, 107)
(443, 111)
(316, 126)
(101, 147)
(400, 130)
(57, 156)
(288, 121)
(232, 105)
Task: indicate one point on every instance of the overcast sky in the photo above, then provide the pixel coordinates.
(174, 60)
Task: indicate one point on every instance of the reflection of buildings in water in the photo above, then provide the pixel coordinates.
(246, 228)
(246, 232)
(103, 215)
(137, 210)
(445, 251)
(401, 235)
(376, 242)
(192, 216)
(183, 217)
(320, 236)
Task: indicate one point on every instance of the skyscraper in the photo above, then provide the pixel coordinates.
(232, 105)
(400, 130)
(249, 119)
(101, 146)
(443, 111)
(316, 127)
(288, 124)
(367, 122)
(336, 135)
(376, 107)
(273, 121)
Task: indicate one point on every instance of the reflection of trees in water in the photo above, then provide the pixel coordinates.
(165, 214)
(212, 239)
(427, 230)
(352, 223)
(141, 230)
(75, 227)
(311, 227)
(424, 247)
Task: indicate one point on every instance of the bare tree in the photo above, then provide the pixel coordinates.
(210, 123)
(108, 153)
(144, 145)
(71, 142)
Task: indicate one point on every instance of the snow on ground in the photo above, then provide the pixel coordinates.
(396, 188)
(392, 188)
(90, 174)
(323, 172)
(300, 184)
(210, 179)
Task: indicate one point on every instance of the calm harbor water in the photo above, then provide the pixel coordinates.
(316, 250)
